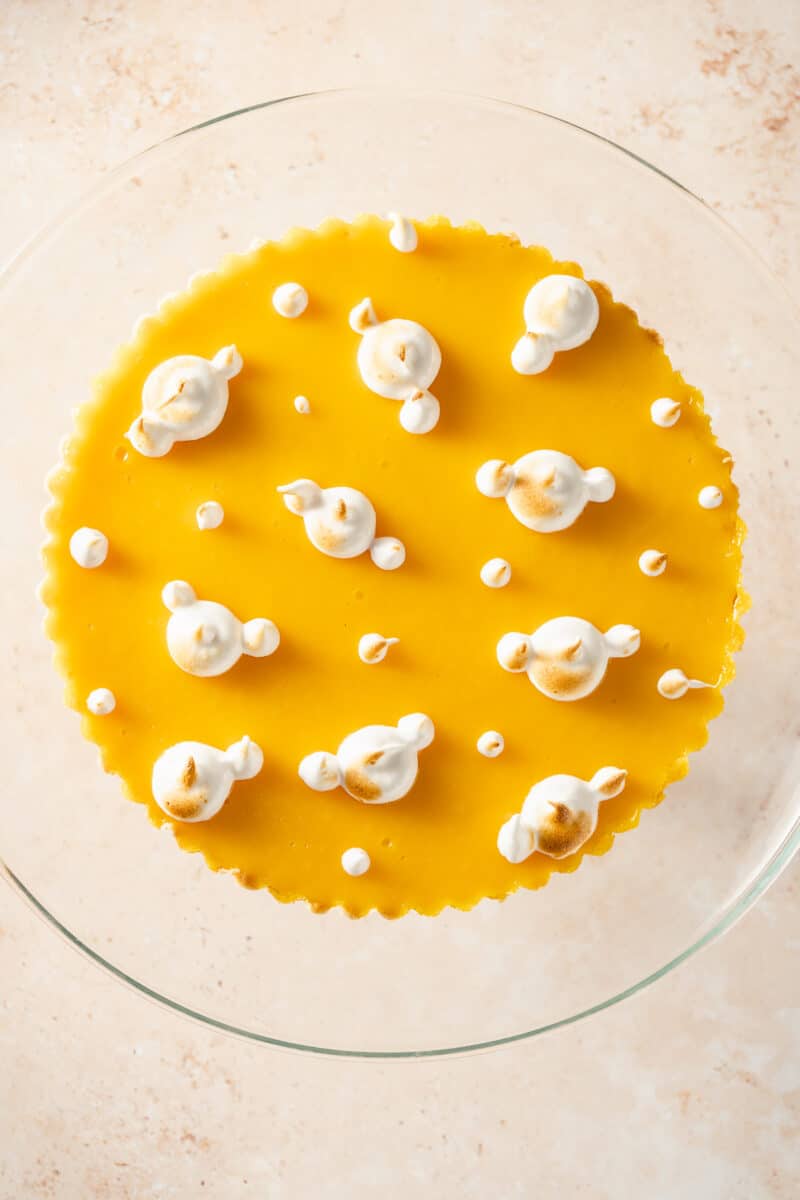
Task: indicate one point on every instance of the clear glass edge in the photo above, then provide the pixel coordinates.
(729, 916)
(728, 919)
(9, 268)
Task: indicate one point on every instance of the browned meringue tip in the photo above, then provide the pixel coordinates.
(190, 772)
(572, 650)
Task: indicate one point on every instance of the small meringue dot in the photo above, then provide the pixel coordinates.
(496, 573)
(652, 563)
(101, 702)
(387, 553)
(709, 497)
(302, 405)
(373, 647)
(665, 412)
(673, 684)
(290, 300)
(491, 743)
(402, 235)
(88, 547)
(210, 515)
(356, 861)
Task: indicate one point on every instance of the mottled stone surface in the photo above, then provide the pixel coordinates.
(690, 1091)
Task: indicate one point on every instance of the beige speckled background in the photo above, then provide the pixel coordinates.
(692, 1090)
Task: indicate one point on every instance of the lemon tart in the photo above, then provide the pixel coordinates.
(394, 566)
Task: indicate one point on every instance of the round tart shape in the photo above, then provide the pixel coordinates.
(437, 845)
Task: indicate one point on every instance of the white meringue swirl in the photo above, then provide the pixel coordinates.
(376, 765)
(560, 313)
(566, 658)
(399, 359)
(545, 490)
(559, 815)
(191, 781)
(183, 399)
(205, 638)
(341, 522)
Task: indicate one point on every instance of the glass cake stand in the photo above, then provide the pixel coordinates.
(90, 862)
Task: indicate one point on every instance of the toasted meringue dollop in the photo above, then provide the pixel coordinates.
(191, 781)
(491, 743)
(560, 313)
(665, 412)
(496, 573)
(356, 861)
(546, 490)
(88, 547)
(674, 684)
(340, 522)
(652, 563)
(373, 647)
(376, 765)
(290, 300)
(183, 399)
(709, 497)
(210, 514)
(566, 658)
(101, 702)
(559, 815)
(402, 235)
(205, 638)
(399, 359)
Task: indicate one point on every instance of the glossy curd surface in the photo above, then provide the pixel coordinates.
(437, 845)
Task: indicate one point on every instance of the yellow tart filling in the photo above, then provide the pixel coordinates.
(515, 553)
